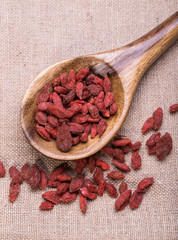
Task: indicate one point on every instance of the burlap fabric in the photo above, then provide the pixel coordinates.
(36, 34)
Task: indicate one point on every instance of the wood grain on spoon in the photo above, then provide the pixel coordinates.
(125, 67)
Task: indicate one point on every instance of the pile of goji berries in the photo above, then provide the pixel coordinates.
(68, 187)
(74, 107)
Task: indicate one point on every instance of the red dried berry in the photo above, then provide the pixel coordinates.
(53, 184)
(109, 99)
(173, 108)
(82, 74)
(136, 199)
(123, 187)
(14, 190)
(85, 192)
(99, 98)
(80, 118)
(64, 138)
(136, 146)
(119, 155)
(98, 175)
(121, 166)
(116, 175)
(76, 183)
(62, 188)
(108, 150)
(52, 131)
(113, 108)
(46, 206)
(90, 78)
(53, 121)
(94, 89)
(80, 165)
(75, 128)
(41, 117)
(56, 81)
(79, 90)
(63, 79)
(64, 177)
(120, 143)
(152, 150)
(68, 197)
(102, 125)
(52, 196)
(57, 171)
(107, 84)
(2, 170)
(83, 203)
(148, 125)
(92, 187)
(44, 179)
(44, 94)
(43, 133)
(71, 79)
(102, 164)
(111, 190)
(75, 140)
(93, 110)
(35, 176)
(153, 139)
(15, 174)
(122, 201)
(164, 146)
(136, 160)
(145, 184)
(157, 116)
(93, 130)
(101, 187)
(91, 163)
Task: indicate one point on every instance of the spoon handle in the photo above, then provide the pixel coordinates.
(132, 60)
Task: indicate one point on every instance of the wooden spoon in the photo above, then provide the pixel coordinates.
(125, 65)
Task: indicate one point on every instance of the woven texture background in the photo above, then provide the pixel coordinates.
(36, 34)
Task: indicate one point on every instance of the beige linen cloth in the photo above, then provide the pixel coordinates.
(38, 33)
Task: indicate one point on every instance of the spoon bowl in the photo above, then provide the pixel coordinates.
(125, 67)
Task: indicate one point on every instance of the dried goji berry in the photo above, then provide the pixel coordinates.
(145, 184)
(80, 118)
(15, 174)
(157, 117)
(93, 120)
(101, 187)
(85, 192)
(2, 170)
(107, 84)
(46, 206)
(98, 80)
(79, 90)
(111, 190)
(63, 78)
(84, 137)
(35, 176)
(82, 74)
(91, 163)
(92, 187)
(108, 150)
(136, 160)
(53, 184)
(60, 89)
(76, 183)
(43, 133)
(57, 100)
(41, 117)
(14, 190)
(53, 121)
(93, 110)
(136, 146)
(136, 199)
(80, 165)
(152, 150)
(62, 188)
(69, 97)
(119, 155)
(109, 99)
(121, 166)
(98, 175)
(102, 164)
(52, 196)
(56, 81)
(57, 171)
(52, 131)
(64, 177)
(173, 108)
(164, 146)
(120, 143)
(44, 94)
(113, 108)
(90, 78)
(83, 203)
(71, 79)
(64, 138)
(153, 139)
(94, 89)
(68, 197)
(101, 127)
(87, 128)
(123, 187)
(99, 98)
(75, 128)
(148, 125)
(44, 179)
(75, 140)
(84, 110)
(93, 130)
(122, 201)
(116, 175)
